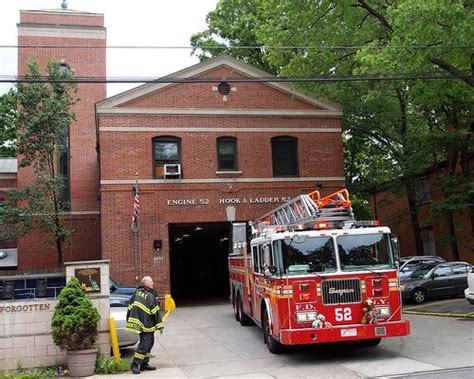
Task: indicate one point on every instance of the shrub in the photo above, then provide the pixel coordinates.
(109, 366)
(75, 319)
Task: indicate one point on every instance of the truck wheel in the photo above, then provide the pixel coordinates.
(244, 319)
(418, 295)
(273, 345)
(371, 343)
(235, 308)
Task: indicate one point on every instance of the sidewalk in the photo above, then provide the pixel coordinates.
(207, 342)
(192, 345)
(447, 308)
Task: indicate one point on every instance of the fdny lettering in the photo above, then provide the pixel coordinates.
(304, 307)
(141, 294)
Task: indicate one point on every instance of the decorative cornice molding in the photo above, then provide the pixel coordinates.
(223, 180)
(83, 32)
(221, 112)
(214, 130)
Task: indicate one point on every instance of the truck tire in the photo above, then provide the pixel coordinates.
(244, 319)
(273, 345)
(235, 307)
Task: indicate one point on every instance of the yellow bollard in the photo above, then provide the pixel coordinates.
(170, 306)
(114, 340)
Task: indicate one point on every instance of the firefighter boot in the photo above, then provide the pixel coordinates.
(135, 368)
(145, 366)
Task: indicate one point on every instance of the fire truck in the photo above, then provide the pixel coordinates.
(307, 272)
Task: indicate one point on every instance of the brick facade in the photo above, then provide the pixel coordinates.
(254, 113)
(65, 29)
(391, 208)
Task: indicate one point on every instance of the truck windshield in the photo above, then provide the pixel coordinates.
(303, 254)
(365, 251)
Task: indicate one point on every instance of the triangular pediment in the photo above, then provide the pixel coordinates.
(207, 74)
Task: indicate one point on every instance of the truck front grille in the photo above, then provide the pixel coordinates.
(341, 291)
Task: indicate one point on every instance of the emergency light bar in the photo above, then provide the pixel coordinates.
(365, 223)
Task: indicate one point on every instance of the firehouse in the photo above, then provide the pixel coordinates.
(202, 154)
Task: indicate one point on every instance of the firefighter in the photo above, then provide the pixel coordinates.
(144, 319)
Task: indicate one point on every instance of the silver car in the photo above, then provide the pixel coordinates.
(118, 310)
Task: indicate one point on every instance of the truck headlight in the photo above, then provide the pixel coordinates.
(306, 316)
(383, 311)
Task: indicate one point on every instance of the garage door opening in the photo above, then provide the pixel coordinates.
(198, 259)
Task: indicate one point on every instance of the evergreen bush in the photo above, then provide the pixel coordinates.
(75, 319)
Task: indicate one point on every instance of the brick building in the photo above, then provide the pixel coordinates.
(240, 152)
(390, 206)
(204, 154)
(65, 29)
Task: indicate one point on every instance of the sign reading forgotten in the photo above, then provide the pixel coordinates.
(25, 308)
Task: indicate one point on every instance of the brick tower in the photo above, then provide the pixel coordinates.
(78, 39)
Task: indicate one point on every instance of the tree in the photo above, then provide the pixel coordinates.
(392, 129)
(43, 119)
(8, 124)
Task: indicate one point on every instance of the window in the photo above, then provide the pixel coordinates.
(422, 191)
(365, 250)
(166, 150)
(284, 156)
(460, 269)
(256, 264)
(428, 240)
(63, 169)
(442, 271)
(302, 254)
(227, 154)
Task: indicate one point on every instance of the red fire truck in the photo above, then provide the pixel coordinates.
(308, 272)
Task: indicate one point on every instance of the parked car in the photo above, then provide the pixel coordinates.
(469, 291)
(118, 289)
(118, 310)
(435, 280)
(409, 264)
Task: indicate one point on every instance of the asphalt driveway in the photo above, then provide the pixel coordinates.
(207, 342)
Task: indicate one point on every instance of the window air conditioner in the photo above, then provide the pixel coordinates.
(172, 170)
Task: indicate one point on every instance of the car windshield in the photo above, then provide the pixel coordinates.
(422, 270)
(365, 251)
(410, 266)
(305, 254)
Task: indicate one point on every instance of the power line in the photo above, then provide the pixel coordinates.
(175, 80)
(230, 47)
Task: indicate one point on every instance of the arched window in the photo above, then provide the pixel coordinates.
(227, 154)
(285, 156)
(166, 151)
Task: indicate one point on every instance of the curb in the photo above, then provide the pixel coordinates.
(461, 315)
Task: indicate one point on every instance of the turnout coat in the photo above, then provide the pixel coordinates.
(143, 314)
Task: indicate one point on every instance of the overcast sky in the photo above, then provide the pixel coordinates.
(136, 22)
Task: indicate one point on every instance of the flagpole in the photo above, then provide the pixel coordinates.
(140, 270)
(136, 228)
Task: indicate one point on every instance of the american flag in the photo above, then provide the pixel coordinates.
(136, 207)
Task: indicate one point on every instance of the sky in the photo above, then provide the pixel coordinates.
(137, 22)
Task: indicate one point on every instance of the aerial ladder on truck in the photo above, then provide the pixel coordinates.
(302, 211)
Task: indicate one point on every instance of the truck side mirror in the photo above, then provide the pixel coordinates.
(269, 271)
(396, 247)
